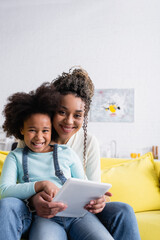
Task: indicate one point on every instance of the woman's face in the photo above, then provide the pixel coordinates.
(69, 119)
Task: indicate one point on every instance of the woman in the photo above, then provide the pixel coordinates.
(76, 89)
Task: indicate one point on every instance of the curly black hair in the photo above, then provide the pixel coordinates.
(77, 82)
(21, 106)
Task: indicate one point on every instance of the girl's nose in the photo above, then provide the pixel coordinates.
(39, 135)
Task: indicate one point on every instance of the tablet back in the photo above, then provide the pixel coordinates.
(76, 193)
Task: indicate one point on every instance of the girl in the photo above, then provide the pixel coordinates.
(31, 170)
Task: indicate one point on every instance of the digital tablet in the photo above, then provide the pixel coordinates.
(76, 193)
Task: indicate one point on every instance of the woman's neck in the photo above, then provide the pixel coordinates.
(60, 141)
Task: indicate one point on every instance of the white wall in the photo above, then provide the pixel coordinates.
(116, 41)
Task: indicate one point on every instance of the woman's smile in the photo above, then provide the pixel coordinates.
(67, 129)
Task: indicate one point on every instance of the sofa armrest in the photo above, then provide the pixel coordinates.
(157, 167)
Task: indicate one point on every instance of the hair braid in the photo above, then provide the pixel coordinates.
(85, 122)
(77, 82)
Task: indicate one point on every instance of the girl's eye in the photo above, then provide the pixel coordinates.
(45, 131)
(31, 130)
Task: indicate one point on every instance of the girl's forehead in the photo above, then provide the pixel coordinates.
(38, 117)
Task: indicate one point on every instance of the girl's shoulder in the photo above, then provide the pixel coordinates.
(64, 147)
(65, 150)
(16, 153)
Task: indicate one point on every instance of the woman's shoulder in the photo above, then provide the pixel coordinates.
(91, 138)
(77, 141)
(80, 136)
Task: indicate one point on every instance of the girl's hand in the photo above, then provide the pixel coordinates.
(97, 205)
(48, 187)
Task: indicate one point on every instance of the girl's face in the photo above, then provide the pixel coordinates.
(69, 119)
(37, 132)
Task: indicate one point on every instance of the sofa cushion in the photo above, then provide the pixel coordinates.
(149, 224)
(3, 155)
(135, 182)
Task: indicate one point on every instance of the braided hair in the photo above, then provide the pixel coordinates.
(77, 82)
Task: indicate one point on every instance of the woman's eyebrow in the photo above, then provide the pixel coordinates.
(63, 107)
(67, 109)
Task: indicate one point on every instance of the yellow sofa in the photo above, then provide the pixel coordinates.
(135, 182)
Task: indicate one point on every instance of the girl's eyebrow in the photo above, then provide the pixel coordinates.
(67, 109)
(43, 127)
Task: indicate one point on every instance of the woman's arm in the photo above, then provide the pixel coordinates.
(93, 170)
(76, 167)
(76, 142)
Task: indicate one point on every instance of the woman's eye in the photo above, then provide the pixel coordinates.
(78, 116)
(61, 112)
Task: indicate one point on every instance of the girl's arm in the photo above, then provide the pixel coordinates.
(9, 186)
(8, 182)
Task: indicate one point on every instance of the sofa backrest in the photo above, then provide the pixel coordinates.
(109, 162)
(135, 182)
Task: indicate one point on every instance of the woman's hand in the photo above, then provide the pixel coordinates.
(107, 196)
(97, 205)
(44, 205)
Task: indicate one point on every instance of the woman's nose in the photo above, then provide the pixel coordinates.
(69, 119)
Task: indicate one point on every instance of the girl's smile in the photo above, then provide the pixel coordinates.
(37, 132)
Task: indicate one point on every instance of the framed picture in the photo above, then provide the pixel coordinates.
(112, 105)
